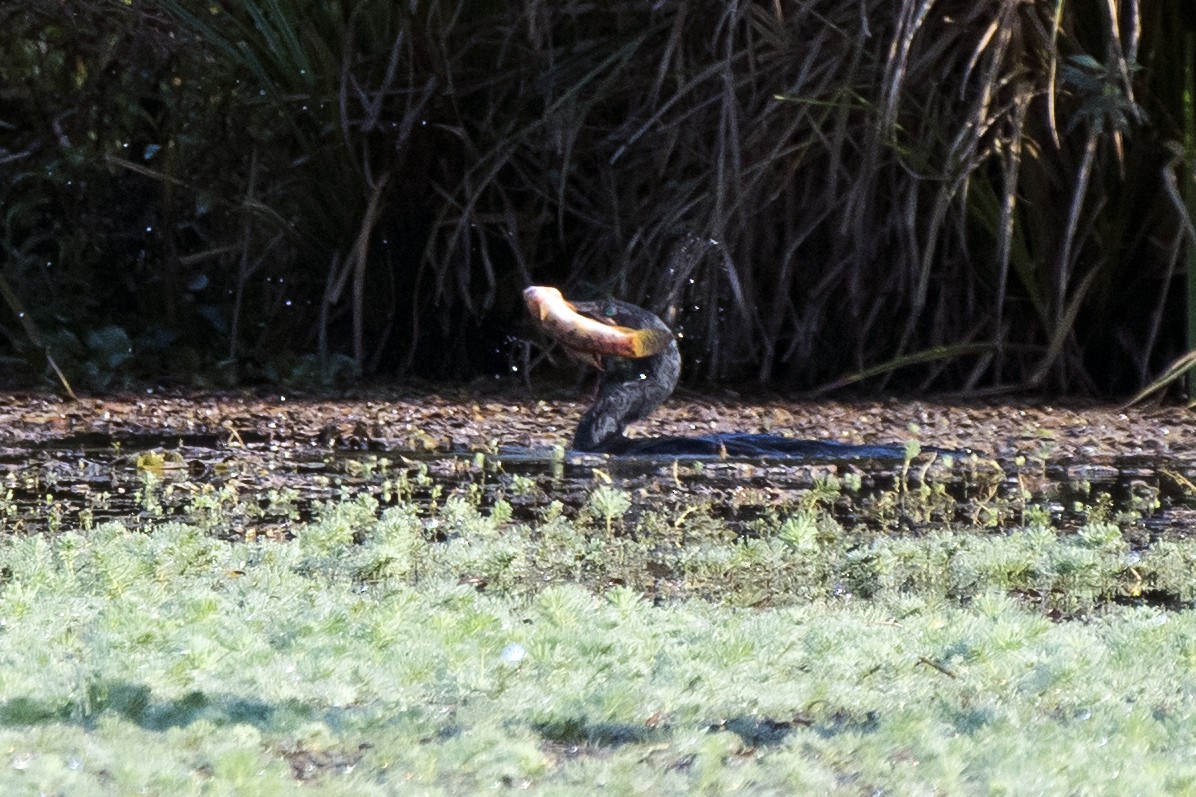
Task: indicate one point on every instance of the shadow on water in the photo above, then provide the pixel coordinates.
(255, 486)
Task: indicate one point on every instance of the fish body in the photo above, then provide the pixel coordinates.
(586, 336)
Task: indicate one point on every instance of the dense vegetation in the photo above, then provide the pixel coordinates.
(398, 644)
(969, 195)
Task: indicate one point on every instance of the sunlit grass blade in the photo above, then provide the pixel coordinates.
(906, 360)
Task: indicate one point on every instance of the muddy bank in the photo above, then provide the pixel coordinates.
(456, 419)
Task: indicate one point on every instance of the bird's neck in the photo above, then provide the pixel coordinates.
(629, 391)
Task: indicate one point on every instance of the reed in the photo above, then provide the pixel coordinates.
(944, 195)
(1190, 194)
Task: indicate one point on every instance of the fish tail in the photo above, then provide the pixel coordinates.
(646, 342)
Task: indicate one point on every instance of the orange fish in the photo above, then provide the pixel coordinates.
(586, 336)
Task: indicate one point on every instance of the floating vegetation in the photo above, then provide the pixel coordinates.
(455, 649)
(1064, 536)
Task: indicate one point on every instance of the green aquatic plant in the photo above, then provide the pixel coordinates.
(609, 503)
(522, 486)
(800, 531)
(397, 646)
(826, 490)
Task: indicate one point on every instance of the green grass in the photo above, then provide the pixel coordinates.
(450, 651)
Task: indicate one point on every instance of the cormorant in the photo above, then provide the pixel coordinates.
(641, 364)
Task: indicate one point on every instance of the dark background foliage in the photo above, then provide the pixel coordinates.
(966, 196)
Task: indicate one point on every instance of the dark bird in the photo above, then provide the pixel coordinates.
(641, 364)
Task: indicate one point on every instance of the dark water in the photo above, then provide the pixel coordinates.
(261, 487)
